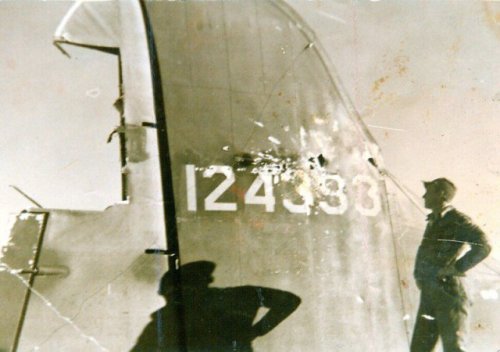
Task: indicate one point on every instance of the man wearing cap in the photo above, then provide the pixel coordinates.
(439, 265)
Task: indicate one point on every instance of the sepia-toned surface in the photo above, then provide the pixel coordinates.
(423, 77)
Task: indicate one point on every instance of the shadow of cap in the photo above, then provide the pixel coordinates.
(197, 273)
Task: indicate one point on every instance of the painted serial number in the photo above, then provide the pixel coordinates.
(263, 183)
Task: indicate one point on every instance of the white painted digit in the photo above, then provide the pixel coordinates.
(303, 208)
(304, 190)
(267, 199)
(191, 187)
(338, 193)
(211, 200)
(373, 193)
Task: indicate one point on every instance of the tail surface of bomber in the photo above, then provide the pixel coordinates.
(274, 183)
(256, 216)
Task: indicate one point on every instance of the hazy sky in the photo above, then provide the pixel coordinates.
(56, 114)
(423, 75)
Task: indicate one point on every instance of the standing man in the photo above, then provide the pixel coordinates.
(440, 263)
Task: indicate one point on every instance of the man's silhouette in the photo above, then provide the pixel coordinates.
(439, 265)
(215, 319)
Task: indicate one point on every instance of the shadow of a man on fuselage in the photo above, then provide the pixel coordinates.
(215, 319)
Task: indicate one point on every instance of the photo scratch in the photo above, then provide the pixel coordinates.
(48, 304)
(387, 128)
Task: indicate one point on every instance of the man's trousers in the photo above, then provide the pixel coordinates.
(442, 313)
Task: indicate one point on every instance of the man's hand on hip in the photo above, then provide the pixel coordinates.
(449, 271)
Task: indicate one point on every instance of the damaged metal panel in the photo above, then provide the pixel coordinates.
(275, 179)
(287, 240)
(109, 289)
(276, 185)
(19, 263)
(91, 23)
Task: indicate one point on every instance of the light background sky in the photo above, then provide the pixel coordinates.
(55, 115)
(424, 75)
